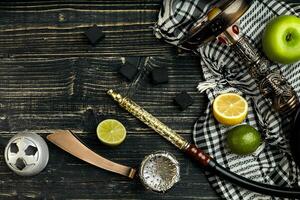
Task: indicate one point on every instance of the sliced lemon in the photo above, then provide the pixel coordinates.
(230, 109)
(111, 132)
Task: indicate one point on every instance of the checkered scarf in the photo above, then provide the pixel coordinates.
(272, 162)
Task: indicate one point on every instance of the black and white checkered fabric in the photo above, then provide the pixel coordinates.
(272, 162)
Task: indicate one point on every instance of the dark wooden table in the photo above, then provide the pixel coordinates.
(50, 78)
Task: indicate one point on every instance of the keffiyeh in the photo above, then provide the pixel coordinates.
(272, 162)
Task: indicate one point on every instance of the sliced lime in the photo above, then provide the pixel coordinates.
(111, 132)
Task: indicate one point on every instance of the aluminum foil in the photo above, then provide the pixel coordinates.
(159, 171)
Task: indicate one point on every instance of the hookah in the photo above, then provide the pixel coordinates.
(220, 23)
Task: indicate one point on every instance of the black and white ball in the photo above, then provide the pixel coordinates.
(26, 154)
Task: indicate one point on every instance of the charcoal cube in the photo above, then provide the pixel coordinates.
(94, 34)
(128, 71)
(183, 100)
(159, 76)
(132, 60)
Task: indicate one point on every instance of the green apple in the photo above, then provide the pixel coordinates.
(281, 39)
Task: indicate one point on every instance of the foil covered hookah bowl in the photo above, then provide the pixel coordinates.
(159, 171)
(221, 23)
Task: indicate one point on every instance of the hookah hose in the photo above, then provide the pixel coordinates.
(197, 154)
(255, 186)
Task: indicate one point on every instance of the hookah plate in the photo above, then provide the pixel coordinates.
(159, 171)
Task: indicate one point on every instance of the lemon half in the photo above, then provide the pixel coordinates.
(230, 108)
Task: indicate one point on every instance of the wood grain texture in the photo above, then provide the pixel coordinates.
(55, 28)
(71, 86)
(38, 95)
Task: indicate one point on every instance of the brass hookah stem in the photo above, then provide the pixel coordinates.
(149, 120)
(162, 129)
(190, 149)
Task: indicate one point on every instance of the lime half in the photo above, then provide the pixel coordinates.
(111, 132)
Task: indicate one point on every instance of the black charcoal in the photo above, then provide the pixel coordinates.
(128, 72)
(183, 100)
(132, 60)
(159, 76)
(94, 34)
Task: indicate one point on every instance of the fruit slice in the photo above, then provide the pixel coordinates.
(111, 132)
(243, 139)
(230, 109)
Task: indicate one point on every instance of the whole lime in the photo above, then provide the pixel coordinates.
(243, 139)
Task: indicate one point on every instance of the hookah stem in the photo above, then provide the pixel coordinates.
(271, 83)
(197, 154)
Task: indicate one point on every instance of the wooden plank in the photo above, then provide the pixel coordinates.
(55, 29)
(38, 95)
(56, 93)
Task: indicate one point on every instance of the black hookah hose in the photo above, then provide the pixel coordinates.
(211, 165)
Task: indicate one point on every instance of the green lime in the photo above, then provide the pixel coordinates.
(111, 132)
(243, 139)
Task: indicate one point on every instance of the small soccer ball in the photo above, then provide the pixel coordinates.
(26, 154)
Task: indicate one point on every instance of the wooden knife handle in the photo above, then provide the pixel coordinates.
(71, 144)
